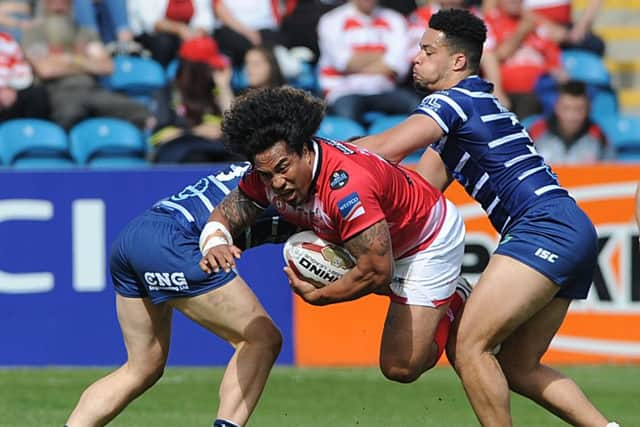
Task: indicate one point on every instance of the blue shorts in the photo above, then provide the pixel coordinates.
(156, 257)
(558, 240)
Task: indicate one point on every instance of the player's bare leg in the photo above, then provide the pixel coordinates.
(520, 357)
(234, 313)
(508, 294)
(146, 329)
(408, 348)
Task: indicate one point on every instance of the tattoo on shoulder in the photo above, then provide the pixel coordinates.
(239, 210)
(374, 239)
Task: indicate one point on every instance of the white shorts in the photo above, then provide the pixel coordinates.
(428, 278)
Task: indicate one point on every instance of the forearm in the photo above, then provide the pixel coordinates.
(353, 285)
(236, 212)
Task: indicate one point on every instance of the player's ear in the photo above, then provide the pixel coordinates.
(459, 61)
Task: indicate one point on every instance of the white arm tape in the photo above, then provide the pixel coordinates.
(207, 240)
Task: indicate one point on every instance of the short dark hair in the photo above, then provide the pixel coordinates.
(464, 31)
(261, 117)
(574, 88)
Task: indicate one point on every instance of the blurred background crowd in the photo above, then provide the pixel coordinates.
(136, 82)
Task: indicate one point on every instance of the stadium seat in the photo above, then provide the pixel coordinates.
(172, 70)
(107, 142)
(135, 76)
(307, 79)
(385, 122)
(587, 67)
(340, 128)
(603, 103)
(34, 143)
(623, 133)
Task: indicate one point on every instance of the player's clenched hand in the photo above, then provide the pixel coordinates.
(305, 289)
(220, 257)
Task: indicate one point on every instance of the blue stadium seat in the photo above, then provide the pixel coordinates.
(623, 133)
(34, 143)
(603, 103)
(586, 66)
(172, 70)
(385, 122)
(307, 79)
(340, 128)
(135, 76)
(105, 141)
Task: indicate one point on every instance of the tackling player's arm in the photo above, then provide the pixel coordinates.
(416, 132)
(373, 270)
(234, 213)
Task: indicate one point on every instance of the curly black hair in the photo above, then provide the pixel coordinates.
(262, 117)
(464, 31)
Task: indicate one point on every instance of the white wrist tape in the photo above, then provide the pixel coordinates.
(208, 240)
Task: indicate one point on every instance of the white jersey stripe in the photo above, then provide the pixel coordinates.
(453, 104)
(519, 159)
(493, 205)
(508, 138)
(483, 179)
(219, 184)
(437, 118)
(491, 117)
(546, 188)
(474, 94)
(529, 172)
(180, 209)
(462, 162)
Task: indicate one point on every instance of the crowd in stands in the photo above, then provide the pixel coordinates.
(357, 54)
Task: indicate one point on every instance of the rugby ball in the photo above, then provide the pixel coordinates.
(315, 260)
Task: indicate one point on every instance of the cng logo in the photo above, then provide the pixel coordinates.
(546, 255)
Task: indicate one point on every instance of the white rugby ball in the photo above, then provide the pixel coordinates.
(316, 260)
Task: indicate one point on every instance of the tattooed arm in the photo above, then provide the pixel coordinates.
(374, 269)
(234, 214)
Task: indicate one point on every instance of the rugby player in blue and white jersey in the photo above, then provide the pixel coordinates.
(549, 246)
(154, 267)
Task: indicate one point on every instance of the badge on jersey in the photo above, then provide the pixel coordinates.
(338, 179)
(351, 207)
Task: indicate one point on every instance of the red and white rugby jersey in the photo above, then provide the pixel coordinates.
(353, 189)
(556, 10)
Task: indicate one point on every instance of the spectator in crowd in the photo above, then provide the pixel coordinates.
(637, 205)
(16, 15)
(568, 135)
(161, 26)
(262, 69)
(489, 64)
(108, 18)
(557, 18)
(67, 59)
(525, 53)
(203, 92)
(363, 56)
(300, 22)
(19, 97)
(247, 23)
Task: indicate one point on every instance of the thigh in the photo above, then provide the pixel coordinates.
(146, 329)
(524, 348)
(409, 330)
(107, 103)
(232, 311)
(507, 295)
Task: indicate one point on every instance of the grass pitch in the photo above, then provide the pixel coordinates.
(300, 397)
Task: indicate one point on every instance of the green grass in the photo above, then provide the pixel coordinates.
(303, 398)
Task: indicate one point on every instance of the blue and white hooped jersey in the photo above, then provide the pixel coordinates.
(193, 204)
(487, 150)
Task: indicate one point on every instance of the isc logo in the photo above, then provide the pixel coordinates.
(546, 255)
